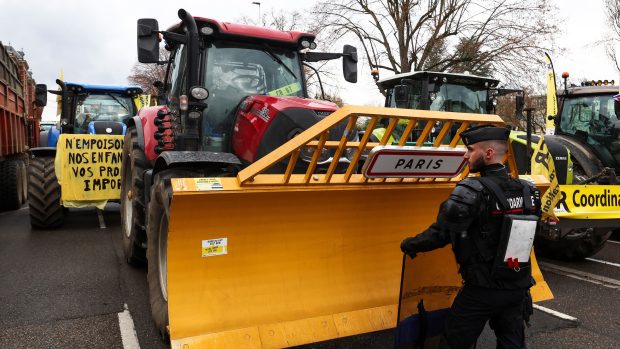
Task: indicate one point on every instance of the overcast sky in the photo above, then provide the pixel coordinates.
(95, 41)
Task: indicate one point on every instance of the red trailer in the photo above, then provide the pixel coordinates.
(20, 116)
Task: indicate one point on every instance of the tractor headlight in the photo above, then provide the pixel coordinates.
(199, 92)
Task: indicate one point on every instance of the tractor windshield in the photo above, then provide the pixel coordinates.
(460, 99)
(101, 107)
(234, 71)
(449, 97)
(593, 117)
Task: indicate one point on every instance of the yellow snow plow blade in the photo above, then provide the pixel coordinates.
(276, 260)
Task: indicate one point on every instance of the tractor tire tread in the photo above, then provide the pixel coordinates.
(44, 194)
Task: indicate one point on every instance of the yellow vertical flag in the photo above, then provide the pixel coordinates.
(542, 164)
(552, 98)
(59, 97)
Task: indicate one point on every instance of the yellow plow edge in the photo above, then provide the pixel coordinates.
(307, 257)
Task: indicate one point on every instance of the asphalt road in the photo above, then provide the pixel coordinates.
(65, 288)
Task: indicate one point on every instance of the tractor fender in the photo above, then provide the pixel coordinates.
(43, 151)
(52, 137)
(147, 116)
(136, 122)
(195, 160)
(582, 153)
(560, 153)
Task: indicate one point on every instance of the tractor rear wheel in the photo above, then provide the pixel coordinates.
(11, 184)
(577, 244)
(44, 194)
(133, 228)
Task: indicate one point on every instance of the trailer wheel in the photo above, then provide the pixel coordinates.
(44, 194)
(133, 165)
(11, 182)
(156, 254)
(577, 244)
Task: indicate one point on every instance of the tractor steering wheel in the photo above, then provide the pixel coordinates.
(598, 126)
(251, 82)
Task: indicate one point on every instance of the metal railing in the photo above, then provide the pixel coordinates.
(402, 127)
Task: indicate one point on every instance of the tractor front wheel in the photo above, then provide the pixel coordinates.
(133, 165)
(577, 244)
(44, 194)
(157, 253)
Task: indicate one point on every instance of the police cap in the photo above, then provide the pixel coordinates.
(484, 133)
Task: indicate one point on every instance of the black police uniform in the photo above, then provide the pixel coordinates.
(471, 220)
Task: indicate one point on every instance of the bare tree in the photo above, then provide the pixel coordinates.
(613, 39)
(506, 109)
(499, 37)
(145, 75)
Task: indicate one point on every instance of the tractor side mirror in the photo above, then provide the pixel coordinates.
(401, 96)
(40, 95)
(148, 40)
(349, 63)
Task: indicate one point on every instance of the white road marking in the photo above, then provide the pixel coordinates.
(128, 331)
(614, 241)
(581, 275)
(603, 262)
(555, 313)
(101, 221)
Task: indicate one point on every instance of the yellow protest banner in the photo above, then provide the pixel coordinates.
(542, 164)
(88, 167)
(588, 202)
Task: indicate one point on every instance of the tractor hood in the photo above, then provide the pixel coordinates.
(263, 123)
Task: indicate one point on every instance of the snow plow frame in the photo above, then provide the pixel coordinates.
(275, 260)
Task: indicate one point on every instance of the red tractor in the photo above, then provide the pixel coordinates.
(232, 94)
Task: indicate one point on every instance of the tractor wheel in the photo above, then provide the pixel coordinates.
(157, 245)
(44, 194)
(156, 254)
(11, 185)
(577, 244)
(133, 165)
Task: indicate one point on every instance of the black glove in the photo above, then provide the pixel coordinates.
(408, 247)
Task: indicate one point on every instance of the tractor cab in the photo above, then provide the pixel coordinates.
(234, 88)
(589, 115)
(93, 109)
(437, 91)
(461, 93)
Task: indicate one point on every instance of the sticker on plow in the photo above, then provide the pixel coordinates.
(208, 184)
(214, 247)
(406, 162)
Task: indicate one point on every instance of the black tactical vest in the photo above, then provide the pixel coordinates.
(477, 251)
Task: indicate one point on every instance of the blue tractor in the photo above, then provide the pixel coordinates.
(85, 109)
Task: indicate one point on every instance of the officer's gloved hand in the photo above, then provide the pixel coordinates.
(408, 247)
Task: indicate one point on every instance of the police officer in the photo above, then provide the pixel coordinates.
(471, 220)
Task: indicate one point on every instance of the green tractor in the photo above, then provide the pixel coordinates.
(580, 158)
